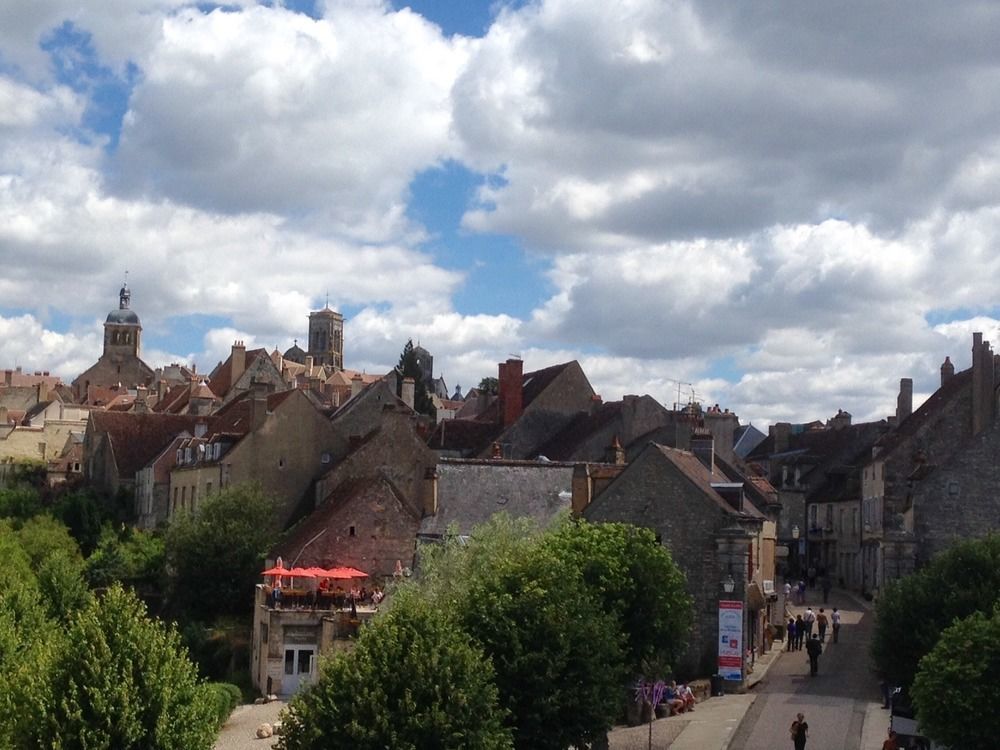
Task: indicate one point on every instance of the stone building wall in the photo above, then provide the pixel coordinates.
(658, 497)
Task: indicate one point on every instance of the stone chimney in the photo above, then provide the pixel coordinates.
(3, 416)
(703, 446)
(904, 402)
(511, 391)
(239, 361)
(309, 365)
(581, 489)
(430, 491)
(782, 433)
(258, 405)
(357, 384)
(408, 391)
(983, 378)
(8, 377)
(947, 370)
(42, 391)
(615, 453)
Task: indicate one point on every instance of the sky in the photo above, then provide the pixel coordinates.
(782, 208)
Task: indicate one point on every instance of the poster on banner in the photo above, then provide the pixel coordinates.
(731, 640)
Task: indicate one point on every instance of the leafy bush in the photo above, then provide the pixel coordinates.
(913, 611)
(956, 683)
(414, 680)
(222, 698)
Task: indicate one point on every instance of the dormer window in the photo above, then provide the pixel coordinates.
(180, 456)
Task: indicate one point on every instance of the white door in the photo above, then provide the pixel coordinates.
(300, 664)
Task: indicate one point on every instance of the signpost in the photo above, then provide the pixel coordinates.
(731, 640)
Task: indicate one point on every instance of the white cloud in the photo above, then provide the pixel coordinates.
(324, 122)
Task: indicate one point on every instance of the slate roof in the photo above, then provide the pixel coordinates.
(448, 436)
(564, 443)
(470, 492)
(174, 399)
(906, 429)
(138, 438)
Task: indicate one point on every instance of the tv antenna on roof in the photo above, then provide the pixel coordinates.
(514, 356)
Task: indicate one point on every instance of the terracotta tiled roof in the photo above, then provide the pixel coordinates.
(221, 379)
(174, 399)
(701, 477)
(138, 438)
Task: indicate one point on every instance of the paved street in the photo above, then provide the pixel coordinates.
(834, 702)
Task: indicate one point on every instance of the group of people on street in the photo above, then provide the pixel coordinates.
(800, 628)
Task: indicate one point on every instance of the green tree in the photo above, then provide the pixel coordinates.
(214, 556)
(119, 680)
(489, 385)
(410, 368)
(85, 514)
(636, 581)
(913, 611)
(44, 535)
(414, 681)
(556, 652)
(62, 585)
(58, 565)
(130, 556)
(20, 502)
(956, 681)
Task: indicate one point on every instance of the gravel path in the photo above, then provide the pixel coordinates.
(239, 733)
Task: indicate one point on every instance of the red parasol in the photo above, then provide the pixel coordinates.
(300, 573)
(275, 571)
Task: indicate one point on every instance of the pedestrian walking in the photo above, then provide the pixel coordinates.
(811, 575)
(800, 632)
(788, 590)
(826, 589)
(814, 648)
(809, 618)
(791, 636)
(835, 620)
(890, 742)
(822, 623)
(802, 592)
(799, 731)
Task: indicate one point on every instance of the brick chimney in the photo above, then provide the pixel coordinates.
(511, 391)
(8, 377)
(947, 370)
(239, 361)
(430, 491)
(408, 391)
(904, 402)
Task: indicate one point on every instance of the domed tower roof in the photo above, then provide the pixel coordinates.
(295, 354)
(123, 317)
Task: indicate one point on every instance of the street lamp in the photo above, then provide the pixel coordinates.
(728, 584)
(795, 532)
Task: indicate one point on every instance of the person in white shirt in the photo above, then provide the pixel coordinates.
(809, 618)
(835, 620)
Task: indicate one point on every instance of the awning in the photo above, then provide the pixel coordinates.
(755, 597)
